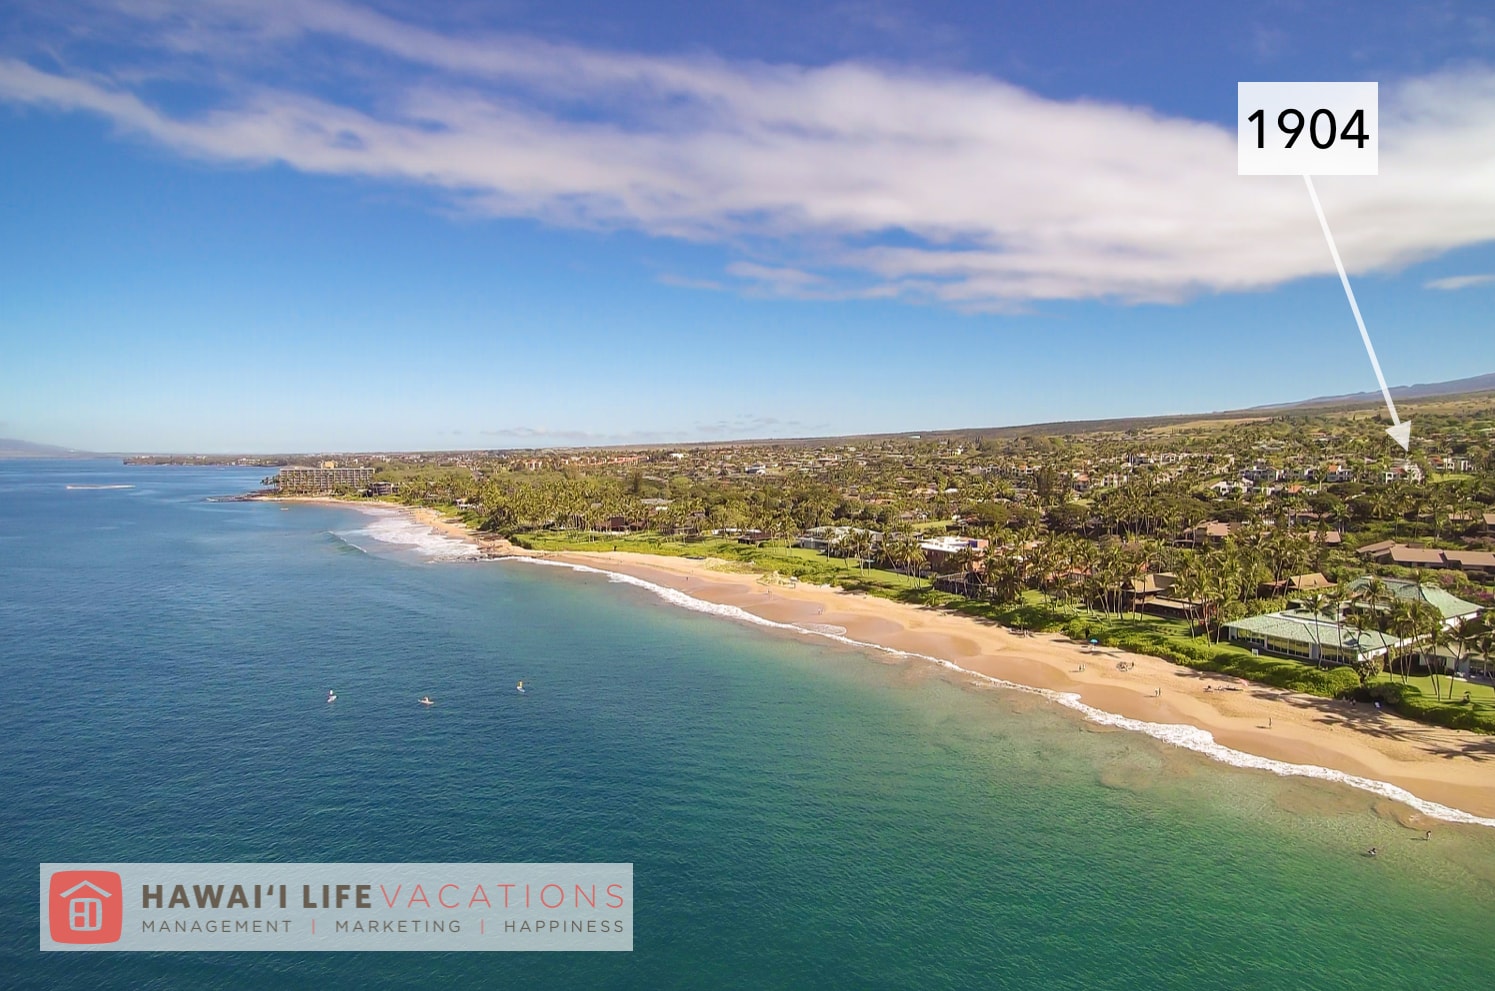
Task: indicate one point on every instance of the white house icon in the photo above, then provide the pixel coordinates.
(85, 914)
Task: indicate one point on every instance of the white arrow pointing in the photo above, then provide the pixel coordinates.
(1400, 432)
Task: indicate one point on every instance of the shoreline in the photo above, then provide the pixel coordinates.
(488, 545)
(1322, 738)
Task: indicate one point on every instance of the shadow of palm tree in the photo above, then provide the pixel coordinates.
(1384, 724)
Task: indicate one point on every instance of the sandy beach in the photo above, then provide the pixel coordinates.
(1450, 767)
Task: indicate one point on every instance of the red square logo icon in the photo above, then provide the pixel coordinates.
(86, 907)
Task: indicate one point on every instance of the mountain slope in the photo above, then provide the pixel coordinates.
(12, 448)
(1478, 383)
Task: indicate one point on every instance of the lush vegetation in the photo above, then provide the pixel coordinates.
(1071, 523)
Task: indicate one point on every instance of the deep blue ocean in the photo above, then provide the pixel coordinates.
(800, 814)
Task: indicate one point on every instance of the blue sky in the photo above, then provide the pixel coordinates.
(236, 226)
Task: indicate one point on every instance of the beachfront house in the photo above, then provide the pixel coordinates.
(1157, 593)
(829, 538)
(1308, 636)
(939, 551)
(1311, 636)
(1297, 584)
(1209, 532)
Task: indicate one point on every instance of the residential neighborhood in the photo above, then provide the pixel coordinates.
(1292, 537)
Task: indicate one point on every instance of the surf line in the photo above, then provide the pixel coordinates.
(1177, 734)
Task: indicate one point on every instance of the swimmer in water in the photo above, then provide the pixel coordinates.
(426, 700)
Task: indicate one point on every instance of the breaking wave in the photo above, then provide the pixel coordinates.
(399, 529)
(1177, 734)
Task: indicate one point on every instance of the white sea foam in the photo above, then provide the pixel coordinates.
(1176, 734)
(89, 487)
(390, 526)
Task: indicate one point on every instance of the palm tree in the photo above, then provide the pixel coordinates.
(1335, 599)
(1437, 637)
(861, 545)
(1190, 587)
(1217, 587)
(902, 549)
(914, 559)
(1370, 596)
(839, 546)
(1005, 579)
(1401, 623)
(1462, 639)
(1486, 646)
(1411, 621)
(1315, 603)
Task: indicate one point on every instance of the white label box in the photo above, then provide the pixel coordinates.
(1308, 128)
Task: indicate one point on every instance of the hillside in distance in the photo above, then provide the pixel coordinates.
(1371, 401)
(1456, 387)
(1434, 392)
(12, 448)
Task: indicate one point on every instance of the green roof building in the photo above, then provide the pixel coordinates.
(1313, 636)
(1308, 636)
(1454, 609)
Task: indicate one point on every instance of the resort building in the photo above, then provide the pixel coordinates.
(1454, 610)
(1313, 636)
(1308, 636)
(1390, 552)
(296, 480)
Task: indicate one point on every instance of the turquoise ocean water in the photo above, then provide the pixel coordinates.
(800, 813)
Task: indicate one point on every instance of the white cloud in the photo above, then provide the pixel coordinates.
(848, 180)
(1460, 282)
(755, 425)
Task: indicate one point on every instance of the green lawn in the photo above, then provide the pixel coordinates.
(800, 562)
(1482, 693)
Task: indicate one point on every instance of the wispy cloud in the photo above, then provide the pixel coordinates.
(561, 437)
(1460, 281)
(846, 180)
(747, 425)
(688, 282)
(755, 425)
